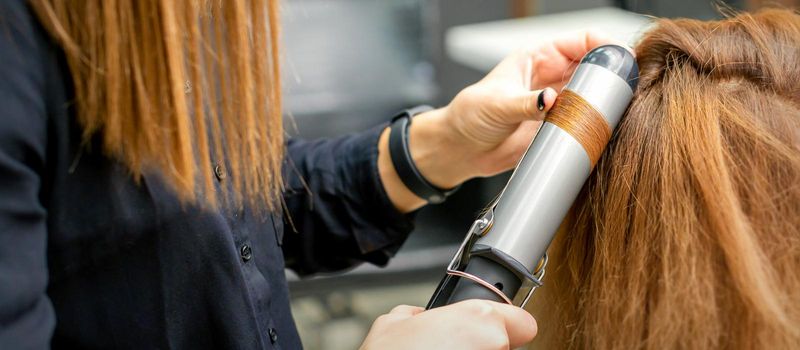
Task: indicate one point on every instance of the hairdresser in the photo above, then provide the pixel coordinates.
(142, 206)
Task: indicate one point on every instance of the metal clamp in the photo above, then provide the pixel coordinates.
(483, 283)
(539, 275)
(478, 229)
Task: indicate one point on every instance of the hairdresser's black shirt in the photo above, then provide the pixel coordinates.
(90, 259)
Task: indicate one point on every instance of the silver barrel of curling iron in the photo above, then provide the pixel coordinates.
(504, 252)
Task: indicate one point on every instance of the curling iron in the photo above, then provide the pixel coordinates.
(503, 255)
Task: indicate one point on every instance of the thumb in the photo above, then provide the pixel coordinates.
(530, 105)
(520, 325)
(406, 310)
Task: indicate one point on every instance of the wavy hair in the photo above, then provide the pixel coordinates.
(687, 234)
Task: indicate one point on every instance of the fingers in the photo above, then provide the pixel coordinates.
(513, 148)
(514, 67)
(406, 310)
(520, 325)
(594, 40)
(575, 46)
(552, 63)
(397, 314)
(529, 105)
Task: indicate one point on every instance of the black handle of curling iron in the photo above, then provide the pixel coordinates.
(453, 289)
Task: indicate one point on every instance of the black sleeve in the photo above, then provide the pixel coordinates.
(337, 211)
(27, 318)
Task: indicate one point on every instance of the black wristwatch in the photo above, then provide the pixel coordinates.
(404, 164)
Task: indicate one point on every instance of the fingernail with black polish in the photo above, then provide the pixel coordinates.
(540, 101)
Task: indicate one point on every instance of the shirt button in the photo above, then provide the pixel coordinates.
(273, 335)
(219, 171)
(246, 253)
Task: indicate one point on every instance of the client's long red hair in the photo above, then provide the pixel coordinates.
(687, 235)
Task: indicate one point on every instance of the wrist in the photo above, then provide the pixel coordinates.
(403, 199)
(436, 150)
(438, 153)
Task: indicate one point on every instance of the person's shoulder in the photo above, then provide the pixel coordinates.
(16, 14)
(20, 30)
(8, 5)
(25, 53)
(25, 46)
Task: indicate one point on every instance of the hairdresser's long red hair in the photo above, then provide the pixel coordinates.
(169, 85)
(687, 235)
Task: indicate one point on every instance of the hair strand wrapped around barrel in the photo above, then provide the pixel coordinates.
(577, 117)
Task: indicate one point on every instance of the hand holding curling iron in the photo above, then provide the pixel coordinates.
(485, 130)
(490, 325)
(487, 127)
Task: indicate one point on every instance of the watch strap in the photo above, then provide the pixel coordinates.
(403, 163)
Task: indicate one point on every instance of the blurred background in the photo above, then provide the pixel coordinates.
(352, 64)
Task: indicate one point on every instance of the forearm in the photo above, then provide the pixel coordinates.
(335, 200)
